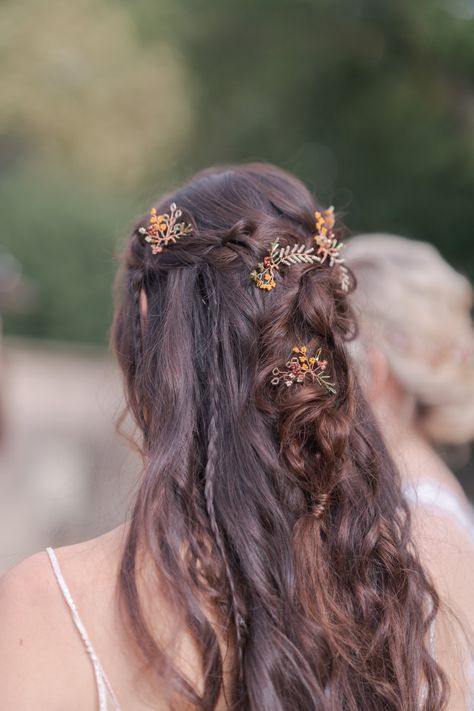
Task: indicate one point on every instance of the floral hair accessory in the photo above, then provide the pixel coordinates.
(328, 246)
(264, 274)
(345, 278)
(165, 228)
(300, 367)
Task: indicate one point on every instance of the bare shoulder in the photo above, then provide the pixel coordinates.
(32, 640)
(444, 536)
(446, 548)
(26, 592)
(41, 660)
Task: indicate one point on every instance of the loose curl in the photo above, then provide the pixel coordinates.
(277, 508)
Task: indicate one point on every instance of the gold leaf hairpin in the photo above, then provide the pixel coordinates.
(264, 274)
(345, 277)
(165, 228)
(300, 367)
(328, 246)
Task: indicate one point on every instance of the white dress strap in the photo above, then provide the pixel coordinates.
(102, 683)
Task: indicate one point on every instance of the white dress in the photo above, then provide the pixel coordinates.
(424, 493)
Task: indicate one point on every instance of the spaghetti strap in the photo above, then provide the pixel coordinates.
(102, 683)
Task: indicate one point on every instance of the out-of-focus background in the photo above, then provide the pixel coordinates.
(106, 103)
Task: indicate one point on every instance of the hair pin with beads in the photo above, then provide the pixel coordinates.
(328, 245)
(165, 229)
(302, 367)
(264, 274)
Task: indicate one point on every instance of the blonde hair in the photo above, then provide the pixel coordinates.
(416, 308)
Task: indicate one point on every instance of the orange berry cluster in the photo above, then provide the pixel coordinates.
(301, 366)
(328, 246)
(163, 229)
(325, 222)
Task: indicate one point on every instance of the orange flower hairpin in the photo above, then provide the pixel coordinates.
(165, 228)
(300, 367)
(328, 246)
(264, 274)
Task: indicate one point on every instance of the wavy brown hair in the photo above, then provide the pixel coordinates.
(278, 508)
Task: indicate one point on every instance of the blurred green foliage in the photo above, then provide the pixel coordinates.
(109, 102)
(61, 234)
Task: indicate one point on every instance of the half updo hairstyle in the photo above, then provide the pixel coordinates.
(277, 508)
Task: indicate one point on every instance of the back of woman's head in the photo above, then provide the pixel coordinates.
(275, 507)
(415, 308)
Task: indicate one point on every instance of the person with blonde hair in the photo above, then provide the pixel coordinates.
(414, 354)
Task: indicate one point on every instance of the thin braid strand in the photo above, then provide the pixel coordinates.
(209, 476)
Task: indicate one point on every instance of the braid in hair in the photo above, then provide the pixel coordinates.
(210, 476)
(280, 503)
(136, 284)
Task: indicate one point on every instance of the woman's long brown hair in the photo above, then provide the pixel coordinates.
(277, 507)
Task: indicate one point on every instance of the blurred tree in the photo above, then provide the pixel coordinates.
(62, 235)
(105, 103)
(81, 92)
(370, 101)
(87, 110)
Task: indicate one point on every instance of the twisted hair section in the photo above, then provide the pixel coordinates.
(211, 469)
(272, 516)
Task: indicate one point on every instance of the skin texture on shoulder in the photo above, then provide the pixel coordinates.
(447, 553)
(43, 661)
(40, 666)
